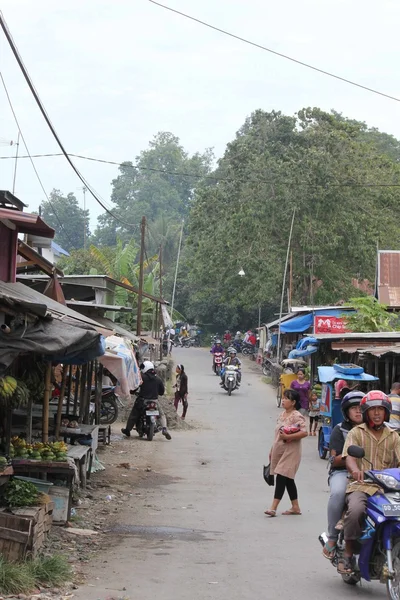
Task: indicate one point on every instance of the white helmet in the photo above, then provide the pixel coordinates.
(238, 333)
(146, 366)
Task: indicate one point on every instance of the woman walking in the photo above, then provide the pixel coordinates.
(181, 390)
(285, 453)
(302, 386)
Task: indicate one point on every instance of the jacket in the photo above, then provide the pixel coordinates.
(152, 386)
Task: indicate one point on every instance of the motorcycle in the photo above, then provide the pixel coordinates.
(237, 344)
(230, 378)
(148, 423)
(217, 362)
(379, 546)
(248, 349)
(109, 404)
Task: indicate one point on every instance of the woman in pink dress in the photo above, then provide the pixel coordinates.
(285, 453)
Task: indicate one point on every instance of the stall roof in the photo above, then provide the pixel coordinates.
(375, 335)
(388, 277)
(98, 307)
(118, 329)
(26, 222)
(276, 322)
(8, 200)
(20, 295)
(329, 374)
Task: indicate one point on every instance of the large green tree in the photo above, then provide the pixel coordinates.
(332, 172)
(69, 220)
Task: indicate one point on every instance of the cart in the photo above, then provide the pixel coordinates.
(290, 367)
(330, 411)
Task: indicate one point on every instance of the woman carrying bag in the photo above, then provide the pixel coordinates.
(181, 392)
(285, 453)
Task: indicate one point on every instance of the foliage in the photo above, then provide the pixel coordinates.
(314, 163)
(21, 493)
(81, 262)
(371, 316)
(23, 577)
(75, 220)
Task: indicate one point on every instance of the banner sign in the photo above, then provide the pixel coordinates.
(327, 324)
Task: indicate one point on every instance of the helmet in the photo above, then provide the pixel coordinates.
(232, 350)
(217, 341)
(146, 366)
(375, 398)
(238, 333)
(349, 400)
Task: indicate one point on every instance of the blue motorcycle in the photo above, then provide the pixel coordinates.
(379, 545)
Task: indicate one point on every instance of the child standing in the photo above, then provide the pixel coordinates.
(314, 407)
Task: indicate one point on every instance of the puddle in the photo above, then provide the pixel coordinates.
(164, 533)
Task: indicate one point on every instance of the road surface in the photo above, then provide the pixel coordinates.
(200, 533)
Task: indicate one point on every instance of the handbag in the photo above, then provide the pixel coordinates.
(269, 479)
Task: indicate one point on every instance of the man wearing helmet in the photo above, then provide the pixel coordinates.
(382, 448)
(232, 359)
(352, 416)
(152, 387)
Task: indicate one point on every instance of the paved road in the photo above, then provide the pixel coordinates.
(221, 546)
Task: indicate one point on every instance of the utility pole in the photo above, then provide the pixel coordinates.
(16, 163)
(284, 283)
(140, 295)
(84, 190)
(176, 272)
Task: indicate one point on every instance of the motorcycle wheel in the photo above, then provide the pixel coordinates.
(245, 351)
(266, 370)
(322, 451)
(279, 396)
(108, 410)
(218, 370)
(229, 389)
(393, 585)
(354, 578)
(150, 432)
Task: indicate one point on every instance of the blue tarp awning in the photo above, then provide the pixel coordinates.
(303, 322)
(329, 374)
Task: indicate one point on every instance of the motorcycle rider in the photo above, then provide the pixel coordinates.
(382, 448)
(338, 480)
(217, 349)
(232, 359)
(152, 387)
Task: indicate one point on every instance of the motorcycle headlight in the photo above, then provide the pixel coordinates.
(327, 421)
(388, 481)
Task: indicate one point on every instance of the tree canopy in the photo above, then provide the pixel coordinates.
(74, 220)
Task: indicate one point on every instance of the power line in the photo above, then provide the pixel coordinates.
(295, 60)
(211, 177)
(29, 81)
(30, 157)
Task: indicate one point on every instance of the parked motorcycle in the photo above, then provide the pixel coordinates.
(230, 378)
(248, 349)
(237, 344)
(217, 362)
(379, 546)
(109, 405)
(148, 423)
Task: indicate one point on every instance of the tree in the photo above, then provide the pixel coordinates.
(316, 163)
(70, 234)
(371, 316)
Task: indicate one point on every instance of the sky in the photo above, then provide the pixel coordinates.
(111, 74)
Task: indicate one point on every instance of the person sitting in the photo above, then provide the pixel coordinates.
(352, 416)
(218, 347)
(382, 448)
(233, 360)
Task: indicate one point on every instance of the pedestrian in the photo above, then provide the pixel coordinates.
(314, 407)
(394, 398)
(181, 390)
(302, 386)
(285, 454)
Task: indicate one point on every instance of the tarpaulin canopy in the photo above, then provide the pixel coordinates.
(329, 374)
(305, 321)
(55, 339)
(120, 360)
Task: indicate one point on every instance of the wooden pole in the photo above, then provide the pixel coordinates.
(46, 401)
(29, 410)
(140, 295)
(99, 386)
(61, 401)
(283, 286)
(88, 393)
(290, 280)
(69, 388)
(76, 390)
(82, 394)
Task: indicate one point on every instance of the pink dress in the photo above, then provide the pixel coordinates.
(285, 458)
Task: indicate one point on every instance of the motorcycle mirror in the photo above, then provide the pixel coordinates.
(356, 451)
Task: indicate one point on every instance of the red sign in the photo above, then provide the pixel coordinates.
(327, 324)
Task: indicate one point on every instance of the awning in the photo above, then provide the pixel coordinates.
(118, 329)
(297, 324)
(365, 347)
(329, 374)
(26, 222)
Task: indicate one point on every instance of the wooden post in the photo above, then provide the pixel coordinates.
(61, 401)
(29, 410)
(76, 392)
(46, 400)
(290, 281)
(69, 388)
(387, 376)
(88, 393)
(141, 269)
(82, 393)
(99, 387)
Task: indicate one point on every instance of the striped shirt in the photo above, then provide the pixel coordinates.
(383, 454)
(395, 416)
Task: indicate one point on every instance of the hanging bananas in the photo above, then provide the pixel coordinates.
(8, 386)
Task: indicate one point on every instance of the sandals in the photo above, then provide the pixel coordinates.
(328, 551)
(345, 565)
(270, 513)
(292, 512)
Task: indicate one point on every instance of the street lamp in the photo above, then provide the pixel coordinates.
(241, 273)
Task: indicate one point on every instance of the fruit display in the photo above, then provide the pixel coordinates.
(50, 452)
(34, 381)
(20, 398)
(8, 386)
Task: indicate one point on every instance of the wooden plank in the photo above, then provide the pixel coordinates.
(14, 535)
(10, 522)
(78, 452)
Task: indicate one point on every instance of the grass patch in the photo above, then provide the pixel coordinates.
(266, 380)
(23, 577)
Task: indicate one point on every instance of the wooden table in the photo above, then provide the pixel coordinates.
(80, 455)
(82, 431)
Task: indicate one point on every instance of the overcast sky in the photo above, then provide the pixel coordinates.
(111, 74)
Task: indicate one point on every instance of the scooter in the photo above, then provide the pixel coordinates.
(148, 423)
(230, 378)
(379, 546)
(217, 363)
(248, 349)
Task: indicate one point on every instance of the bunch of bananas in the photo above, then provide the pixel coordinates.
(21, 395)
(8, 386)
(34, 380)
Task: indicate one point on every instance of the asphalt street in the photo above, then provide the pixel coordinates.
(200, 532)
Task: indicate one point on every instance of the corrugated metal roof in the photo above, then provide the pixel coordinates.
(388, 282)
(26, 222)
(365, 347)
(376, 335)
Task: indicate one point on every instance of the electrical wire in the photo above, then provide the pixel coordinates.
(260, 47)
(32, 162)
(35, 94)
(211, 177)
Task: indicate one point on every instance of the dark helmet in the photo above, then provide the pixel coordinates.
(349, 400)
(375, 398)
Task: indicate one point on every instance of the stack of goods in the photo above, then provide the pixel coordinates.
(50, 452)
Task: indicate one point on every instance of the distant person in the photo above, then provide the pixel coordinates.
(394, 398)
(181, 390)
(302, 387)
(227, 337)
(313, 414)
(285, 455)
(252, 339)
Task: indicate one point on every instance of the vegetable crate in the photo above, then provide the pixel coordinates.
(24, 531)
